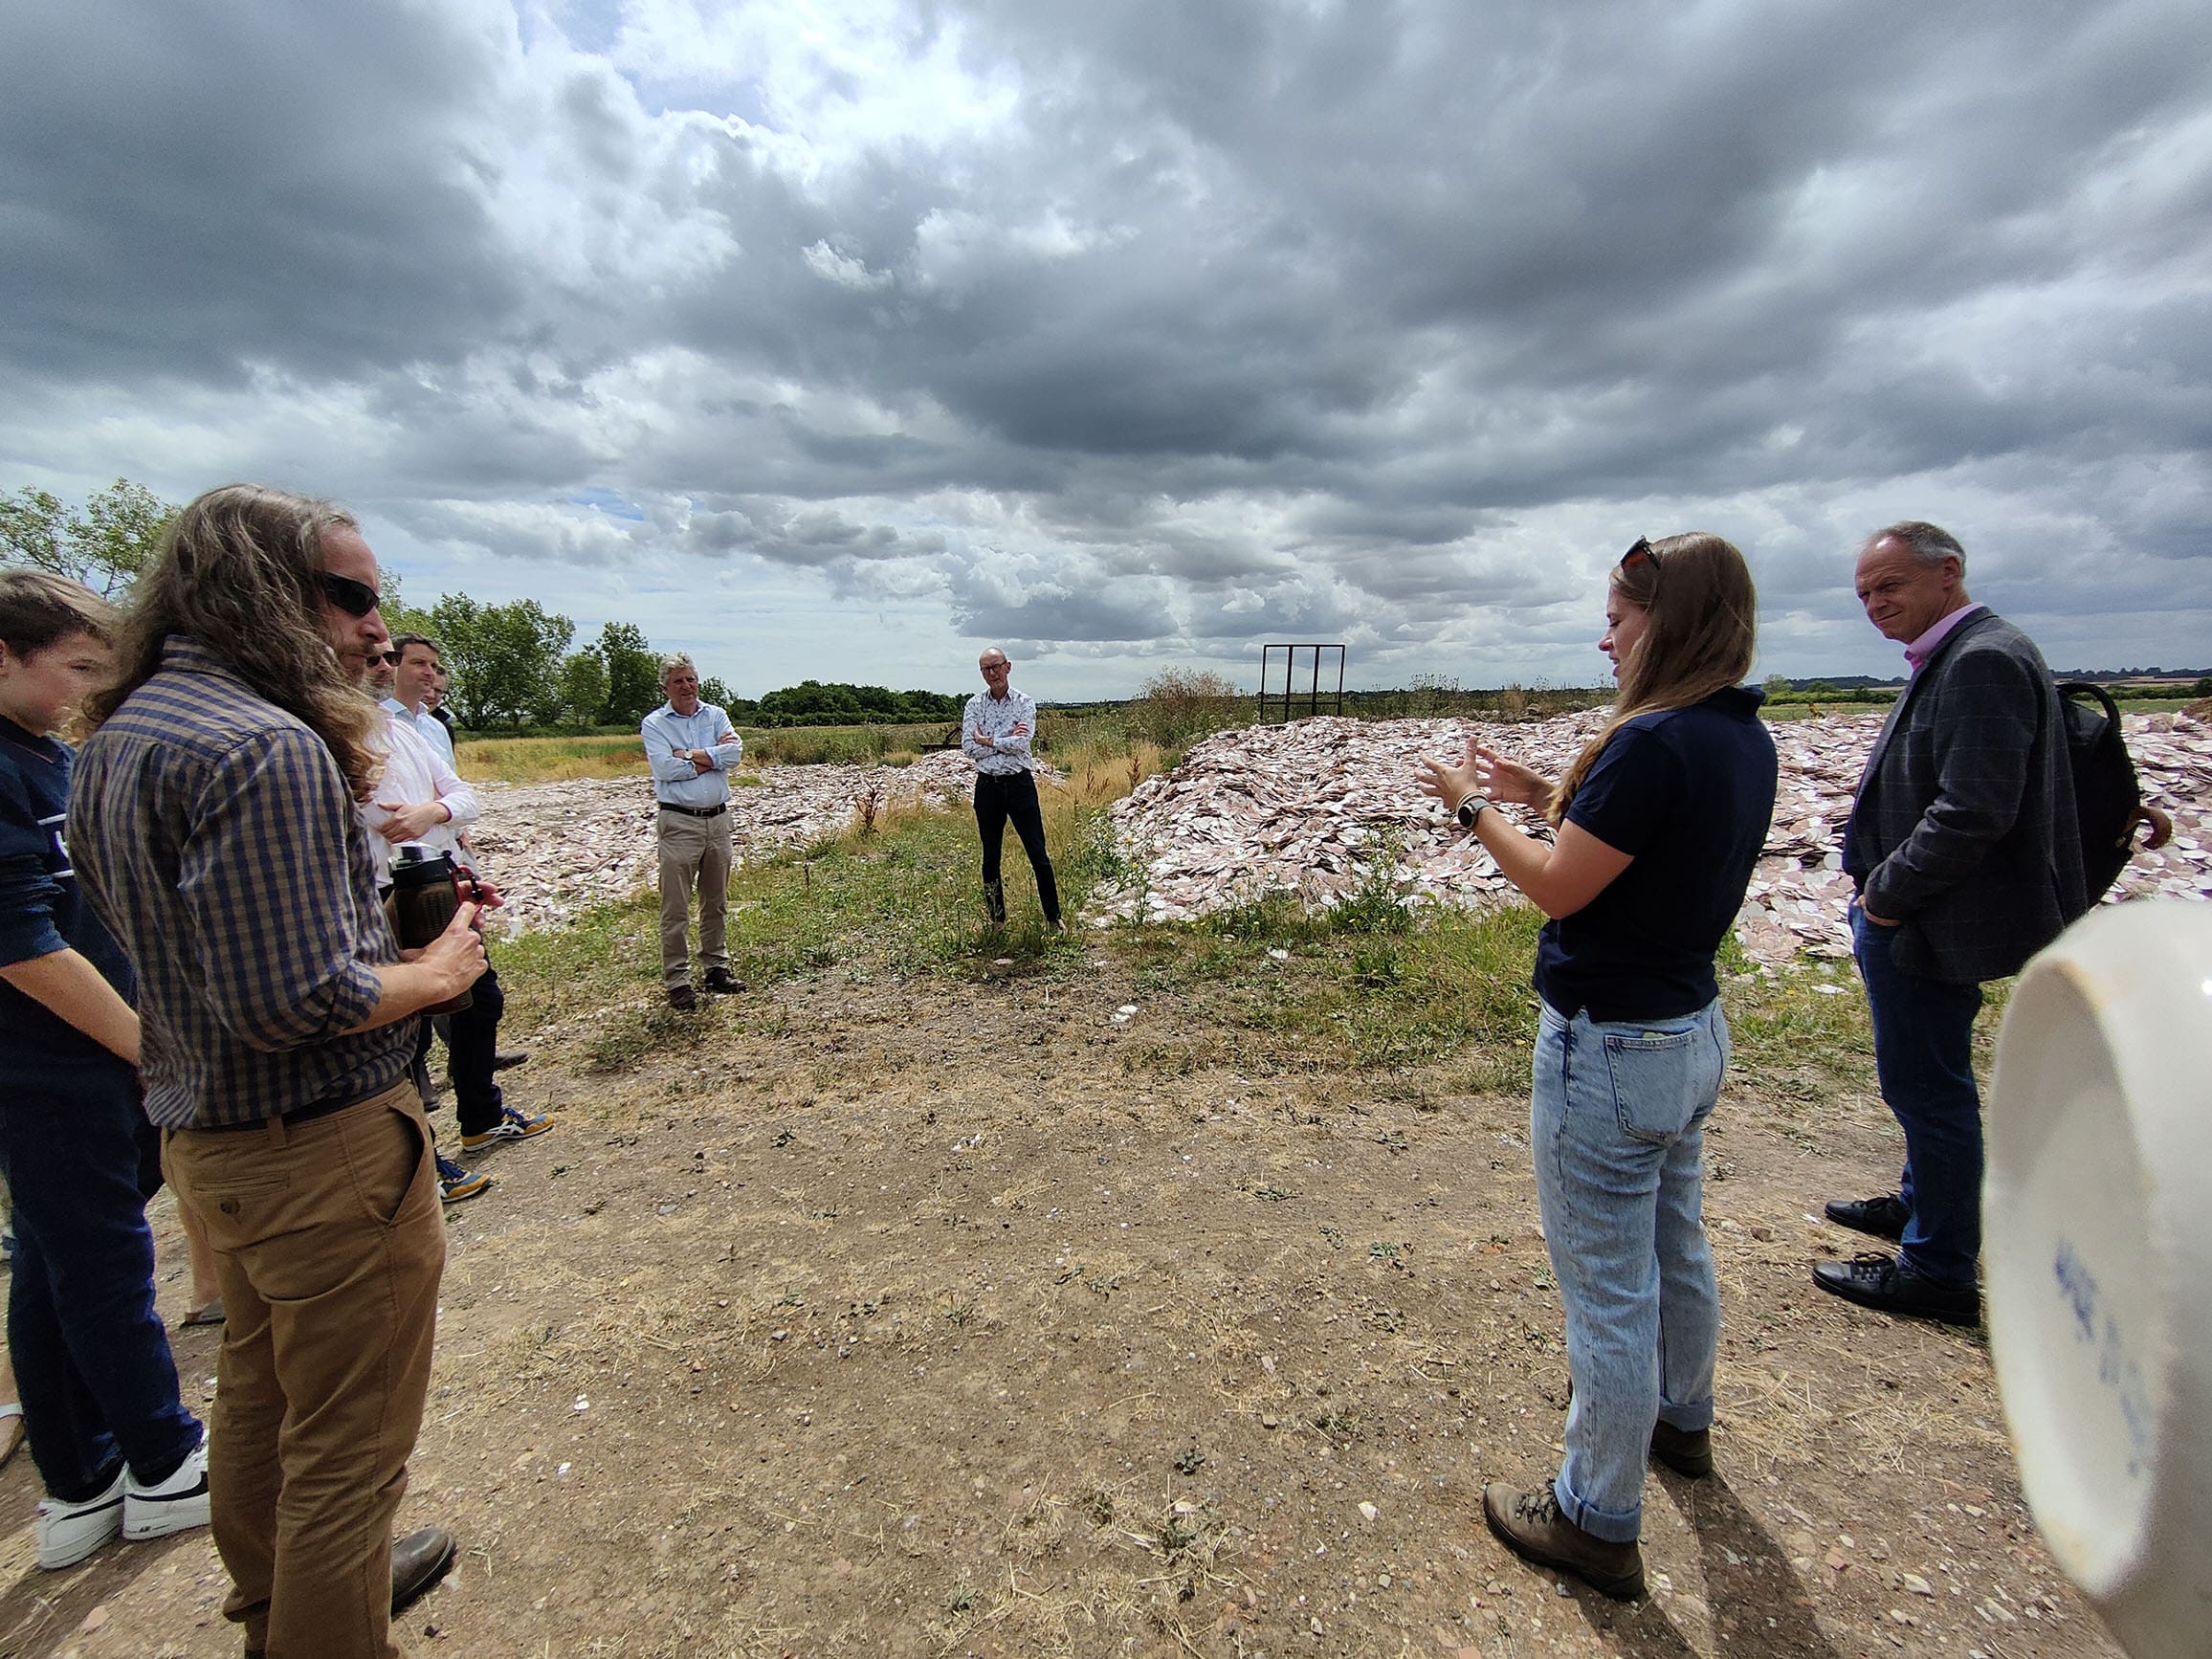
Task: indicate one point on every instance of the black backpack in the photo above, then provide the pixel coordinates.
(2108, 798)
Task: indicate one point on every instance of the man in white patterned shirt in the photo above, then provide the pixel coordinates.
(995, 734)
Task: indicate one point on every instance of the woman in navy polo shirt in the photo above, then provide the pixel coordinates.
(1659, 822)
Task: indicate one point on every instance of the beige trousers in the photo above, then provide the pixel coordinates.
(693, 850)
(329, 1245)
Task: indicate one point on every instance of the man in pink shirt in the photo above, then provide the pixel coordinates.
(1966, 854)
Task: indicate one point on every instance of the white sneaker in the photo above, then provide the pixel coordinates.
(70, 1532)
(178, 1504)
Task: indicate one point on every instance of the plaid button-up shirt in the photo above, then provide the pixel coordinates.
(216, 836)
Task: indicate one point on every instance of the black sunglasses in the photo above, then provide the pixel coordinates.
(1638, 554)
(390, 657)
(354, 598)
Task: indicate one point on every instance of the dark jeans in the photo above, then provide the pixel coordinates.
(92, 1361)
(472, 1043)
(1013, 796)
(1924, 1057)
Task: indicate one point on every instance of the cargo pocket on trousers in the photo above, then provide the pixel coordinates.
(1662, 1080)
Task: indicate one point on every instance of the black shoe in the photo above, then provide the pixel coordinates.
(419, 1560)
(995, 901)
(1887, 1286)
(1529, 1523)
(1883, 1216)
(721, 982)
(683, 999)
(507, 1059)
(1687, 1452)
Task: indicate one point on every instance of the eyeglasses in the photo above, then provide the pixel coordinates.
(386, 656)
(995, 669)
(1637, 555)
(354, 598)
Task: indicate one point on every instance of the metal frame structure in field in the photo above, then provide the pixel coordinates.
(1289, 698)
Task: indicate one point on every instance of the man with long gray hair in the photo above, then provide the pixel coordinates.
(690, 747)
(214, 831)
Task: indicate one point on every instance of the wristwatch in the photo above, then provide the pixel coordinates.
(1470, 808)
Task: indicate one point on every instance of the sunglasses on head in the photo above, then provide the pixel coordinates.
(354, 598)
(1642, 553)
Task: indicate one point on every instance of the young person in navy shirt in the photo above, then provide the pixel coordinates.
(1659, 822)
(114, 1447)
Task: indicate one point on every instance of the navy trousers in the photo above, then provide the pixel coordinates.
(1012, 797)
(1924, 1057)
(92, 1361)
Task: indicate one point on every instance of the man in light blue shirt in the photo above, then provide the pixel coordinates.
(418, 670)
(690, 747)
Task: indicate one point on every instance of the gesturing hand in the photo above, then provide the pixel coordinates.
(1505, 780)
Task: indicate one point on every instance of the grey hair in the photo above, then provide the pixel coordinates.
(994, 651)
(1929, 543)
(674, 660)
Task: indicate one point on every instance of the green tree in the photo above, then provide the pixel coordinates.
(632, 674)
(504, 659)
(583, 686)
(713, 690)
(399, 616)
(107, 546)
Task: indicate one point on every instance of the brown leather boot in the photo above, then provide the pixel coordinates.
(1529, 1523)
(1687, 1452)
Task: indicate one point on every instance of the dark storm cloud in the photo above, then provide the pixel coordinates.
(1156, 326)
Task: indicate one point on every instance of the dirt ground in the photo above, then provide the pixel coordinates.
(932, 1318)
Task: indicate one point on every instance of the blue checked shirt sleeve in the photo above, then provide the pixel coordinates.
(266, 880)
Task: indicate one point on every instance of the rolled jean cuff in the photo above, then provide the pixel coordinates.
(1689, 1419)
(1612, 1529)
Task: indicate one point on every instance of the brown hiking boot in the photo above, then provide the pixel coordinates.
(1529, 1523)
(1687, 1452)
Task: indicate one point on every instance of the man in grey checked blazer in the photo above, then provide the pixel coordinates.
(1963, 846)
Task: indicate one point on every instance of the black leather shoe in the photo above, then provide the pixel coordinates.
(683, 999)
(1883, 1216)
(721, 982)
(1887, 1286)
(507, 1059)
(1687, 1452)
(419, 1560)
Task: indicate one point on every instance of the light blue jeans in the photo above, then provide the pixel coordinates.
(1616, 1125)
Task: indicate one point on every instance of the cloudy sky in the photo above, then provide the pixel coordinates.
(843, 339)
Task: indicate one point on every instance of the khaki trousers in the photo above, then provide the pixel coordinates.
(328, 1243)
(693, 850)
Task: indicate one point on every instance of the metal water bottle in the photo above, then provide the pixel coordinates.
(425, 898)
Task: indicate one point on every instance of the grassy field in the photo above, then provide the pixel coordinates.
(1367, 984)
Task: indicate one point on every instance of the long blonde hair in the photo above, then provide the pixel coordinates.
(237, 573)
(1703, 627)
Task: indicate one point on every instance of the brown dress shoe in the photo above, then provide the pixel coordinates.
(1687, 1452)
(683, 999)
(1529, 1523)
(419, 1560)
(721, 982)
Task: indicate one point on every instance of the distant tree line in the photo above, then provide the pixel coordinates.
(514, 665)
